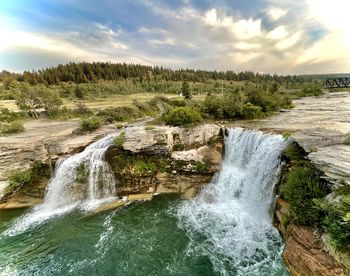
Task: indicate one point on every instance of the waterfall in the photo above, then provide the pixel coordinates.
(231, 217)
(65, 192)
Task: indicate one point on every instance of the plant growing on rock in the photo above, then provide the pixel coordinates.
(119, 141)
(18, 178)
(90, 124)
(302, 186)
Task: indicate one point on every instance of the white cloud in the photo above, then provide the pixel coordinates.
(276, 13)
(279, 32)
(289, 42)
(247, 46)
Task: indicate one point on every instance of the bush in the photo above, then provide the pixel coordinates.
(119, 141)
(9, 128)
(18, 178)
(337, 219)
(90, 124)
(302, 186)
(182, 116)
(250, 111)
(294, 153)
(9, 116)
(311, 89)
(347, 139)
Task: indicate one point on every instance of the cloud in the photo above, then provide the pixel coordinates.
(267, 35)
(276, 13)
(279, 32)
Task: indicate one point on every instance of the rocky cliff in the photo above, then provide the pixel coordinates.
(305, 252)
(157, 159)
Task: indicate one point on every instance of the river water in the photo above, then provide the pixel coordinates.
(226, 230)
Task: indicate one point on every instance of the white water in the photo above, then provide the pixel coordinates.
(64, 193)
(231, 216)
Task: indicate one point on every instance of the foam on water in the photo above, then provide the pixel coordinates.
(64, 193)
(231, 216)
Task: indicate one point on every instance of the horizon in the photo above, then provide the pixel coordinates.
(305, 38)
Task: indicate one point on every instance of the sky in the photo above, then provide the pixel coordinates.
(269, 36)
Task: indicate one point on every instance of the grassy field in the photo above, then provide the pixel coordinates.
(111, 101)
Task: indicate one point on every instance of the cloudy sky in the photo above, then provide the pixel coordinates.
(287, 37)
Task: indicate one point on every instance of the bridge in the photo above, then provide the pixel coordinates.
(337, 83)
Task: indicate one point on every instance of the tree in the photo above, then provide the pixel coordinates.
(185, 90)
(79, 92)
(50, 99)
(27, 99)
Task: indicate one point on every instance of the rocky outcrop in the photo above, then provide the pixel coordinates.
(305, 253)
(149, 161)
(162, 159)
(20, 151)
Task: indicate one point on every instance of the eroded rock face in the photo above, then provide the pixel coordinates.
(144, 164)
(305, 253)
(41, 143)
(150, 161)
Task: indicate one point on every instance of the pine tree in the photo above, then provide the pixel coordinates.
(185, 90)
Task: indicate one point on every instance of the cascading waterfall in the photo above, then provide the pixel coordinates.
(231, 217)
(65, 192)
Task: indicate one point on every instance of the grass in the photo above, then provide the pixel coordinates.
(10, 128)
(119, 141)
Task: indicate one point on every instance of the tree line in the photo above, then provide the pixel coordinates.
(84, 72)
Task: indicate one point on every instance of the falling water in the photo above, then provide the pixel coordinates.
(65, 192)
(230, 220)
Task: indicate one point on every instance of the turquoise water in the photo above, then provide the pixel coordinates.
(140, 239)
(225, 230)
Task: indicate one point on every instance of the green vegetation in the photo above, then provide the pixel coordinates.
(311, 89)
(145, 166)
(93, 72)
(336, 221)
(31, 98)
(347, 139)
(90, 124)
(312, 202)
(9, 116)
(10, 128)
(302, 186)
(119, 141)
(185, 90)
(147, 128)
(19, 178)
(183, 116)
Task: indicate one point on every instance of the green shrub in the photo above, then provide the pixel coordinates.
(18, 178)
(13, 127)
(213, 105)
(182, 116)
(294, 152)
(337, 217)
(119, 141)
(142, 166)
(311, 89)
(149, 128)
(347, 139)
(9, 116)
(302, 186)
(250, 111)
(90, 124)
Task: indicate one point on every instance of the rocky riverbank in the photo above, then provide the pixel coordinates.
(157, 159)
